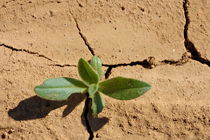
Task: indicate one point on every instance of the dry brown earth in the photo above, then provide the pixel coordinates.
(165, 43)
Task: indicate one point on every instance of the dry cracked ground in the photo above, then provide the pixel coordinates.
(163, 42)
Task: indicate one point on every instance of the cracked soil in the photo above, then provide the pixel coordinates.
(165, 43)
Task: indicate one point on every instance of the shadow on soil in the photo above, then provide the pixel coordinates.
(35, 108)
(96, 123)
(92, 123)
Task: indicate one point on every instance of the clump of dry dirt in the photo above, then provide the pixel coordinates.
(165, 43)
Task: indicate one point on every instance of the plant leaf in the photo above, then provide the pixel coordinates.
(87, 73)
(93, 88)
(98, 104)
(59, 88)
(96, 63)
(123, 88)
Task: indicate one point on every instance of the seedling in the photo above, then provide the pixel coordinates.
(91, 73)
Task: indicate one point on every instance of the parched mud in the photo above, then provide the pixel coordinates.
(165, 43)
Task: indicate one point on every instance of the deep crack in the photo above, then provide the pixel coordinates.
(148, 63)
(143, 63)
(189, 45)
(84, 38)
(86, 112)
(24, 50)
(184, 59)
(108, 72)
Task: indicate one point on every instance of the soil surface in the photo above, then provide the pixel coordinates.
(165, 43)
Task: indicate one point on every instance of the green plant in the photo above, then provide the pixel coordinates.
(91, 73)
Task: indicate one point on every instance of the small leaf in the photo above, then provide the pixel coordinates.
(123, 88)
(60, 88)
(98, 104)
(87, 73)
(96, 63)
(93, 88)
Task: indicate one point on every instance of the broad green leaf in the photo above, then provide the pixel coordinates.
(98, 104)
(96, 63)
(123, 88)
(60, 88)
(87, 73)
(93, 88)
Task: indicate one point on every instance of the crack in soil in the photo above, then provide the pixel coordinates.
(24, 50)
(37, 54)
(189, 45)
(149, 63)
(108, 72)
(86, 111)
(84, 38)
(62, 65)
(87, 101)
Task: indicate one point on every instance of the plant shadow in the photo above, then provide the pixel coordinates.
(36, 108)
(96, 123)
(92, 124)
